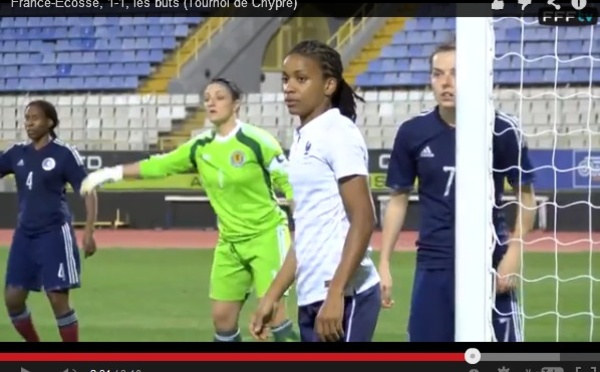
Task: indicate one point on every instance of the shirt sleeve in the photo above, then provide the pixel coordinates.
(401, 173)
(513, 157)
(180, 160)
(348, 155)
(6, 162)
(75, 171)
(276, 163)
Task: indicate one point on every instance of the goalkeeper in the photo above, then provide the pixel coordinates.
(238, 165)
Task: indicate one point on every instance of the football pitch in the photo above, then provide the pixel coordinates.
(154, 294)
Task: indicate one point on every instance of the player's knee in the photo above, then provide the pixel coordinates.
(59, 301)
(15, 299)
(225, 315)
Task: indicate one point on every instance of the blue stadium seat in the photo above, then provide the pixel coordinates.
(404, 62)
(84, 53)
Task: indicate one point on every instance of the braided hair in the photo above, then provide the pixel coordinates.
(49, 112)
(344, 98)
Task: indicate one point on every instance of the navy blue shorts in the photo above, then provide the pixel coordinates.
(361, 312)
(49, 261)
(432, 310)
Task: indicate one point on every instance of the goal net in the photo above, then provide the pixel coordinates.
(545, 77)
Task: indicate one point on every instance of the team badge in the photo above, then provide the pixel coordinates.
(48, 164)
(307, 148)
(237, 158)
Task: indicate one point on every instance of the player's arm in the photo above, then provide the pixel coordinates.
(265, 312)
(75, 173)
(277, 164)
(284, 279)
(347, 158)
(279, 174)
(519, 173)
(180, 160)
(6, 162)
(400, 180)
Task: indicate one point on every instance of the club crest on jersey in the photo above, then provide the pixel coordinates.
(48, 164)
(237, 158)
(307, 148)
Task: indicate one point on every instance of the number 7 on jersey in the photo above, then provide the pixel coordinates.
(451, 172)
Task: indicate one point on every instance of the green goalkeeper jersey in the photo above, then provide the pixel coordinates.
(238, 173)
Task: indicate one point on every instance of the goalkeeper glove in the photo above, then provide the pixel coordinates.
(100, 177)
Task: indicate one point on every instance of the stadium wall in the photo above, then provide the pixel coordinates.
(143, 203)
(149, 210)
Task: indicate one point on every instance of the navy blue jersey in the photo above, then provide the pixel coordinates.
(425, 149)
(41, 177)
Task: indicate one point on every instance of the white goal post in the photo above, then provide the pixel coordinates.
(562, 118)
(475, 46)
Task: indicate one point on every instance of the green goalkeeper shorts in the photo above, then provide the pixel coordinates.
(237, 267)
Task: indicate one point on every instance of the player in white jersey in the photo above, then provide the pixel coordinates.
(338, 290)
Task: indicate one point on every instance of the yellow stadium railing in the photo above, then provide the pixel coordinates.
(345, 34)
(203, 36)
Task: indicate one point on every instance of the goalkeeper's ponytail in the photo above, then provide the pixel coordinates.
(232, 87)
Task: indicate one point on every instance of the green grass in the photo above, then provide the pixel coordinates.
(161, 295)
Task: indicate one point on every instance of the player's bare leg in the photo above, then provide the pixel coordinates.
(16, 305)
(66, 318)
(282, 327)
(225, 315)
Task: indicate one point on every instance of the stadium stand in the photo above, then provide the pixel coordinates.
(404, 64)
(405, 61)
(104, 122)
(85, 53)
(96, 54)
(383, 110)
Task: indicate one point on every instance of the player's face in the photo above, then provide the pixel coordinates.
(36, 123)
(304, 88)
(443, 73)
(219, 103)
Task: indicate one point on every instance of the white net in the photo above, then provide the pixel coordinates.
(552, 72)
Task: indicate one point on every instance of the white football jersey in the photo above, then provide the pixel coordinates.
(325, 150)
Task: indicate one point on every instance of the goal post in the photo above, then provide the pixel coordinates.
(550, 76)
(475, 115)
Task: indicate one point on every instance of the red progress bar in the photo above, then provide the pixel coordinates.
(232, 357)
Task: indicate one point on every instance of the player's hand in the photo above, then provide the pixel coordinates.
(329, 322)
(386, 287)
(260, 321)
(98, 178)
(508, 270)
(89, 245)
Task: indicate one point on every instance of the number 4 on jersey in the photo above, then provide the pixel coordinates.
(61, 271)
(29, 181)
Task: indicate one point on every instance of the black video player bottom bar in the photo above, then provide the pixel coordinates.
(306, 366)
